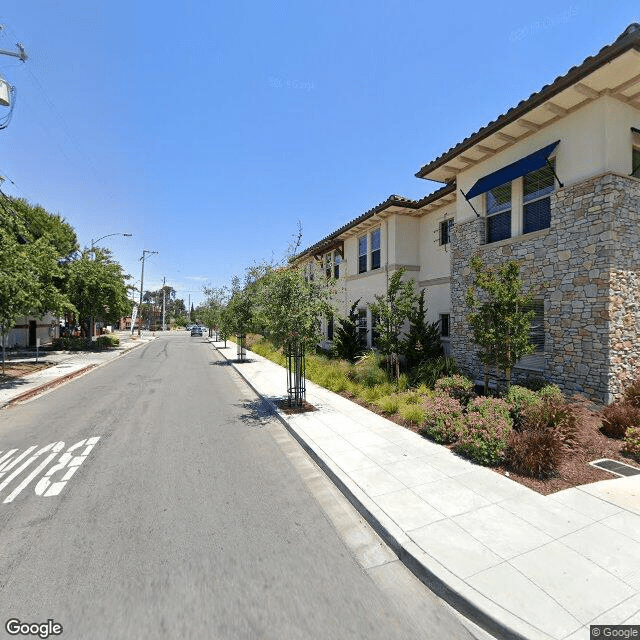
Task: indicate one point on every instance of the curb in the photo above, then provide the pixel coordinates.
(431, 580)
(52, 384)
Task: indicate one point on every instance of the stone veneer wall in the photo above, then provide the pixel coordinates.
(586, 267)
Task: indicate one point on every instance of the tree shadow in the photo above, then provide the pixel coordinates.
(256, 412)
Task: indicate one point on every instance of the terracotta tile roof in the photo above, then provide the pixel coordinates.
(392, 201)
(629, 39)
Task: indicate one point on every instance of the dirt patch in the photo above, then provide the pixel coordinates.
(283, 405)
(574, 470)
(21, 369)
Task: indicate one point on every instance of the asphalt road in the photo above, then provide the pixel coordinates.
(191, 514)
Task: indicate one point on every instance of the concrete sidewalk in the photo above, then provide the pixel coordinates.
(66, 365)
(519, 564)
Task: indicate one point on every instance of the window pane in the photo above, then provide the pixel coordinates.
(375, 259)
(445, 231)
(537, 215)
(336, 266)
(444, 325)
(499, 227)
(538, 183)
(327, 265)
(362, 324)
(499, 198)
(362, 254)
(375, 240)
(536, 335)
(635, 163)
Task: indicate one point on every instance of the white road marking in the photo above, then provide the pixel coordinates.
(10, 464)
(57, 447)
(24, 465)
(45, 487)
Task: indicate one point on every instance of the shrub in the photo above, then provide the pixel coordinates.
(518, 399)
(402, 383)
(618, 417)
(412, 397)
(389, 404)
(535, 384)
(457, 387)
(367, 371)
(412, 413)
(551, 391)
(430, 370)
(535, 452)
(554, 414)
(632, 442)
(444, 419)
(632, 393)
(486, 430)
(107, 340)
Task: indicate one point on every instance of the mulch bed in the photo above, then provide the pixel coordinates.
(575, 470)
(283, 405)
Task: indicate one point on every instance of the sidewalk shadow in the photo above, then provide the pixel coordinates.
(12, 383)
(229, 362)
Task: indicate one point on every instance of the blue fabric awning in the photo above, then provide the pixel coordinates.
(529, 163)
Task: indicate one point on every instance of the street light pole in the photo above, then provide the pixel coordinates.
(93, 242)
(142, 287)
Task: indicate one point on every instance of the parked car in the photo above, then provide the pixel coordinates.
(197, 331)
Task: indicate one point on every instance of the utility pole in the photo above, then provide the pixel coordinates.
(164, 294)
(144, 256)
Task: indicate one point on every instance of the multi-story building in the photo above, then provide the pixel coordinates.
(553, 183)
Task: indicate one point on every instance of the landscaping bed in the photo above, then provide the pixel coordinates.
(536, 438)
(13, 370)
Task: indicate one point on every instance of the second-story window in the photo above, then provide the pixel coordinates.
(445, 231)
(327, 265)
(499, 213)
(375, 249)
(536, 199)
(336, 265)
(362, 254)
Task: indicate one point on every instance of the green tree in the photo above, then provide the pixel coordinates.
(96, 286)
(500, 317)
(423, 339)
(392, 310)
(347, 341)
(33, 244)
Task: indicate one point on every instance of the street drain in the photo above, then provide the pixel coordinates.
(615, 467)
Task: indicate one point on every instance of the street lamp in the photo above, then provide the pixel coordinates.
(144, 256)
(93, 242)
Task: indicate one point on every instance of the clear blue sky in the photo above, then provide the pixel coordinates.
(207, 129)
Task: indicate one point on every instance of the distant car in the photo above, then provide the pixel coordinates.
(197, 331)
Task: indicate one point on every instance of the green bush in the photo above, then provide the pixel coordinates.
(444, 418)
(402, 383)
(429, 371)
(412, 413)
(457, 387)
(486, 431)
(518, 399)
(389, 404)
(367, 371)
(632, 442)
(108, 340)
(551, 391)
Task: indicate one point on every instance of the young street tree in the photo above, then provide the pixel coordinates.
(500, 317)
(392, 310)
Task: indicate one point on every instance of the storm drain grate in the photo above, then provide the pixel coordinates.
(615, 467)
